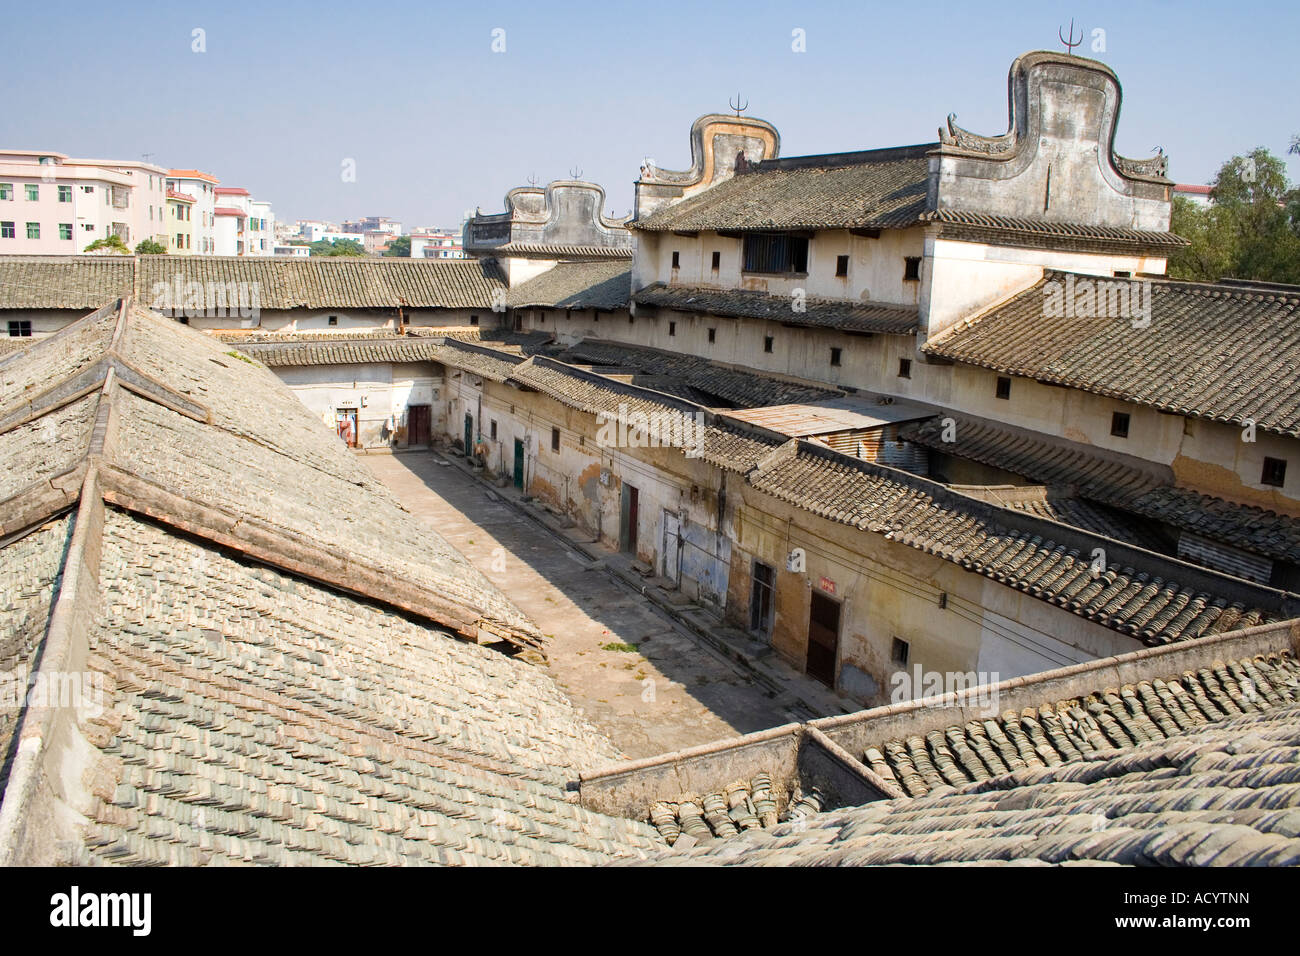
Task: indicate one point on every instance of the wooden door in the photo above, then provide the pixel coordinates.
(419, 421)
(823, 638)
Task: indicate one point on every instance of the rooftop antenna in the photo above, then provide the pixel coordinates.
(575, 172)
(147, 157)
(739, 107)
(1071, 43)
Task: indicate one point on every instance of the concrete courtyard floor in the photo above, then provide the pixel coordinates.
(644, 679)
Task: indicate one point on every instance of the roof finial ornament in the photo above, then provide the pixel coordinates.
(738, 106)
(532, 179)
(1071, 43)
(575, 172)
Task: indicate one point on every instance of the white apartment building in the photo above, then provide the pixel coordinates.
(245, 226)
(436, 245)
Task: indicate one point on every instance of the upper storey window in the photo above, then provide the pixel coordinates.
(776, 254)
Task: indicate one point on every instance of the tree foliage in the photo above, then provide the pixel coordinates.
(401, 246)
(337, 247)
(148, 247)
(1250, 231)
(112, 243)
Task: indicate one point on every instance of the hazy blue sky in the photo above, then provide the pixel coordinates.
(438, 123)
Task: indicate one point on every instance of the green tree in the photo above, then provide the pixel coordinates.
(1251, 230)
(401, 246)
(113, 243)
(147, 247)
(337, 247)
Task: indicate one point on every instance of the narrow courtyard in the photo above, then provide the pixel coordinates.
(644, 679)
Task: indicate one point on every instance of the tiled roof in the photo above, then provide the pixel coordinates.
(873, 189)
(822, 313)
(981, 225)
(31, 570)
(1064, 731)
(64, 282)
(267, 686)
(228, 211)
(256, 718)
(183, 197)
(756, 804)
(544, 250)
(744, 388)
(577, 285)
(192, 174)
(343, 351)
(1218, 352)
(1143, 599)
(319, 282)
(1185, 772)
(208, 442)
(727, 448)
(1117, 481)
(322, 282)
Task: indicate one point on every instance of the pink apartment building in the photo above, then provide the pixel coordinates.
(51, 204)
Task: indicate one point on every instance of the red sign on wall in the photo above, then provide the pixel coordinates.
(828, 585)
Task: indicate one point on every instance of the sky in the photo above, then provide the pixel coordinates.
(286, 95)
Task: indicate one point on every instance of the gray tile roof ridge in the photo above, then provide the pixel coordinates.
(124, 362)
(1139, 672)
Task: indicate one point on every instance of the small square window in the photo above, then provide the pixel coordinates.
(1004, 387)
(677, 260)
(912, 269)
(841, 265)
(717, 261)
(672, 328)
(334, 320)
(65, 194)
(33, 230)
(65, 230)
(1274, 472)
(33, 192)
(473, 320)
(904, 368)
(1119, 424)
(6, 191)
(555, 439)
(835, 356)
(713, 335)
(899, 650)
(20, 328)
(6, 229)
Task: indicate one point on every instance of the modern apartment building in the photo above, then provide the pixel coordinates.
(245, 226)
(180, 222)
(201, 186)
(51, 204)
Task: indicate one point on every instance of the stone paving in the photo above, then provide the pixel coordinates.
(642, 678)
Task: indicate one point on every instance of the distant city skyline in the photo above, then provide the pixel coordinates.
(286, 101)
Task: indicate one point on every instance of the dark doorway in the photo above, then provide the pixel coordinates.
(823, 638)
(419, 418)
(469, 435)
(760, 599)
(628, 518)
(519, 463)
